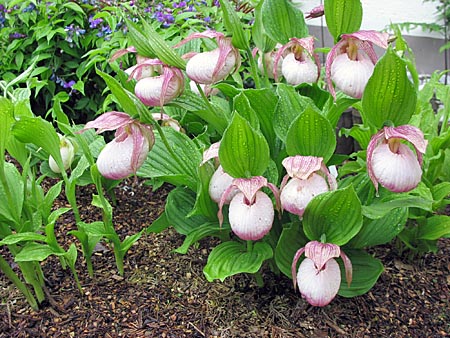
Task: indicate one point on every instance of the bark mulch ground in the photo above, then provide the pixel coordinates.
(164, 294)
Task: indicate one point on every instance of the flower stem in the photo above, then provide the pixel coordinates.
(253, 69)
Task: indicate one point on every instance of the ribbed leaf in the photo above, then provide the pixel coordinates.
(292, 238)
(435, 227)
(262, 41)
(279, 17)
(178, 165)
(335, 215)
(243, 152)
(311, 135)
(150, 44)
(204, 205)
(179, 204)
(389, 94)
(41, 133)
(34, 252)
(22, 237)
(366, 270)
(239, 37)
(202, 231)
(381, 230)
(7, 119)
(230, 258)
(290, 105)
(343, 16)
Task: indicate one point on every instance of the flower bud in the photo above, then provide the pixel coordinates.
(67, 154)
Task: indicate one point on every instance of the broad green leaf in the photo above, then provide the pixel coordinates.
(159, 225)
(11, 197)
(343, 16)
(366, 271)
(55, 214)
(96, 229)
(380, 230)
(290, 105)
(175, 162)
(389, 94)
(359, 133)
(239, 37)
(278, 17)
(50, 198)
(262, 41)
(334, 216)
(150, 44)
(7, 119)
(230, 258)
(34, 252)
(311, 135)
(122, 96)
(204, 205)
(243, 152)
(361, 183)
(242, 105)
(292, 239)
(333, 109)
(202, 231)
(179, 204)
(264, 103)
(22, 237)
(434, 228)
(40, 132)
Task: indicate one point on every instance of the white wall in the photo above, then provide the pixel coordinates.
(378, 14)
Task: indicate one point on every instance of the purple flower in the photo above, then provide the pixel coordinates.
(68, 84)
(93, 23)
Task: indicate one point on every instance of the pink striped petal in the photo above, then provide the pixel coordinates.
(108, 121)
(302, 167)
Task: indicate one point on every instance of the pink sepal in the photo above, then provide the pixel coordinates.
(211, 152)
(122, 52)
(108, 121)
(411, 134)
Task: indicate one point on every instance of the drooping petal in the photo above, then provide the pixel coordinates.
(351, 76)
(378, 38)
(302, 167)
(318, 286)
(411, 134)
(397, 172)
(207, 34)
(122, 52)
(158, 90)
(249, 186)
(320, 253)
(142, 142)
(211, 152)
(108, 121)
(297, 193)
(251, 222)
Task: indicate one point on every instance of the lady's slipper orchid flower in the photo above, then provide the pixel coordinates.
(167, 121)
(316, 12)
(301, 65)
(67, 151)
(251, 211)
(319, 275)
(161, 89)
(307, 177)
(266, 61)
(220, 180)
(153, 89)
(211, 66)
(351, 61)
(392, 163)
(128, 150)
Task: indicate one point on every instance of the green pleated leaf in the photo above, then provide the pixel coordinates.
(202, 231)
(230, 258)
(243, 152)
(291, 239)
(204, 205)
(389, 95)
(278, 18)
(233, 25)
(11, 210)
(242, 105)
(361, 183)
(289, 106)
(343, 16)
(179, 204)
(333, 109)
(264, 102)
(259, 36)
(160, 224)
(22, 237)
(178, 165)
(40, 132)
(434, 228)
(7, 119)
(311, 135)
(381, 230)
(335, 215)
(34, 252)
(366, 271)
(150, 44)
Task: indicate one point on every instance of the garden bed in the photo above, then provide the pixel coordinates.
(165, 294)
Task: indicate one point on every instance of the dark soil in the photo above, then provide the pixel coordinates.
(164, 294)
